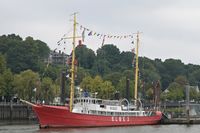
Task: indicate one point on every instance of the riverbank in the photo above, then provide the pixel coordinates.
(181, 121)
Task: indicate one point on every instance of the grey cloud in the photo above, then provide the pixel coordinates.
(170, 28)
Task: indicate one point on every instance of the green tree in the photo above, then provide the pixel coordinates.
(6, 79)
(85, 56)
(165, 78)
(101, 67)
(182, 80)
(109, 53)
(126, 59)
(149, 94)
(129, 74)
(22, 55)
(174, 67)
(2, 64)
(81, 74)
(96, 85)
(6, 84)
(113, 77)
(51, 71)
(56, 90)
(105, 89)
(148, 71)
(24, 84)
(86, 83)
(175, 92)
(42, 49)
(195, 76)
(7, 42)
(194, 95)
(148, 74)
(47, 92)
(121, 87)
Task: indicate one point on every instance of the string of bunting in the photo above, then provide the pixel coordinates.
(89, 32)
(86, 31)
(62, 39)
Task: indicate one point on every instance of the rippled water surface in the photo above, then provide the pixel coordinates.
(33, 128)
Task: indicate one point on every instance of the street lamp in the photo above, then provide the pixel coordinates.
(35, 89)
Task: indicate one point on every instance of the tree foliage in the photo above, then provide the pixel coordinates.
(110, 53)
(47, 92)
(85, 56)
(25, 83)
(2, 64)
(105, 89)
(6, 79)
(22, 68)
(6, 83)
(175, 92)
(23, 54)
(121, 87)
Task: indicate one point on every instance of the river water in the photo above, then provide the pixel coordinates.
(33, 128)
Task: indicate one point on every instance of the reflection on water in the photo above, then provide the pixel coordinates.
(17, 122)
(132, 129)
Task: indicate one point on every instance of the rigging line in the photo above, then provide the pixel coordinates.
(70, 30)
(62, 38)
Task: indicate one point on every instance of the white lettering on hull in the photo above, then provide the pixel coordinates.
(120, 119)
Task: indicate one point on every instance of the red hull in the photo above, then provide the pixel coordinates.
(60, 116)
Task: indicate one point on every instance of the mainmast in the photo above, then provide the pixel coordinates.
(73, 67)
(136, 68)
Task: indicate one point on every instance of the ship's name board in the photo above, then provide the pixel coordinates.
(120, 119)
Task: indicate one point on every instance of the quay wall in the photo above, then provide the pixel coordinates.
(16, 111)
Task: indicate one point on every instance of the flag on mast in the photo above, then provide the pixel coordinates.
(83, 35)
(103, 40)
(90, 33)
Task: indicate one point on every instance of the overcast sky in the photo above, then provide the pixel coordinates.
(171, 28)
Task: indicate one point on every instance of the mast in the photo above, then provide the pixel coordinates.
(73, 67)
(136, 68)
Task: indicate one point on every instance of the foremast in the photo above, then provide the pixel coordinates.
(73, 64)
(136, 69)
